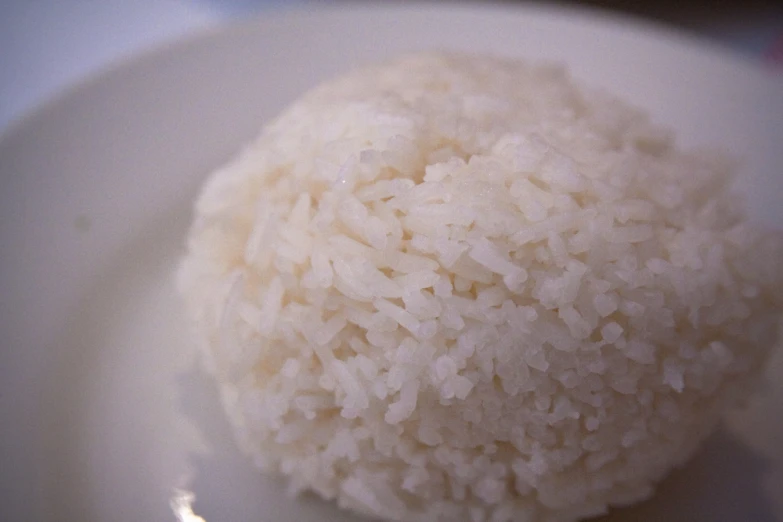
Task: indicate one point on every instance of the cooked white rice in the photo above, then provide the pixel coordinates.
(461, 288)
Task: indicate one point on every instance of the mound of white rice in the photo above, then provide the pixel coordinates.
(460, 288)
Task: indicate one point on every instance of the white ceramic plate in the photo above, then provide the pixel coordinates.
(102, 413)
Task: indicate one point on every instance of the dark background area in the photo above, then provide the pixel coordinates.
(701, 15)
(750, 26)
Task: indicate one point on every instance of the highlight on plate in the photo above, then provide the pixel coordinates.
(464, 288)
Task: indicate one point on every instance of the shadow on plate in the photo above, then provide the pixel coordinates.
(226, 483)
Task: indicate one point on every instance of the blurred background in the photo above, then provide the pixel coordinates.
(48, 45)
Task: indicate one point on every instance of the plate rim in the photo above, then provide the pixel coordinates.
(601, 17)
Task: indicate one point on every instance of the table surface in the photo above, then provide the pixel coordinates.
(48, 45)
